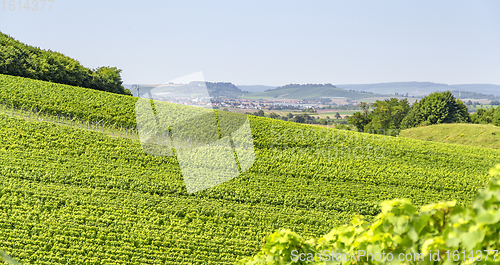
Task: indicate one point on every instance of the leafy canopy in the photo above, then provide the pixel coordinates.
(19, 59)
(436, 108)
(385, 118)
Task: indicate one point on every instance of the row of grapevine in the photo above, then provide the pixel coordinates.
(57, 99)
(68, 120)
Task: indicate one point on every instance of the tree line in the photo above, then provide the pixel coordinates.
(487, 115)
(19, 59)
(393, 114)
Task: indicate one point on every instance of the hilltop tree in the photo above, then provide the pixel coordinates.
(436, 108)
(337, 116)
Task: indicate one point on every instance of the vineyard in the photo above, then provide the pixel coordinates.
(75, 196)
(58, 99)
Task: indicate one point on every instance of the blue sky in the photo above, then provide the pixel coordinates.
(272, 42)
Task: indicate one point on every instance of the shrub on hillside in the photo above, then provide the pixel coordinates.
(381, 117)
(436, 108)
(483, 116)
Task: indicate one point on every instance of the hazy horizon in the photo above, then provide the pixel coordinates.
(329, 83)
(273, 43)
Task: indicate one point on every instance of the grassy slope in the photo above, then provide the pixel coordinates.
(75, 196)
(481, 135)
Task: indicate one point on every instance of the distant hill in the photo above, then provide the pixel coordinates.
(224, 90)
(255, 88)
(215, 89)
(422, 88)
(479, 88)
(310, 91)
(473, 95)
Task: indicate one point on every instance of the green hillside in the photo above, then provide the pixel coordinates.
(482, 135)
(255, 88)
(79, 197)
(310, 91)
(224, 90)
